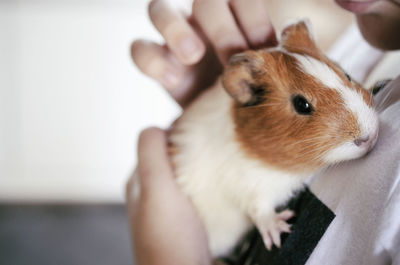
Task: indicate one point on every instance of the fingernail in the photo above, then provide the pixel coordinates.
(190, 49)
(170, 79)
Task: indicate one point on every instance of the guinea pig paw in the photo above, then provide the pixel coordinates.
(271, 233)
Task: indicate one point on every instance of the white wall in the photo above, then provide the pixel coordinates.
(71, 101)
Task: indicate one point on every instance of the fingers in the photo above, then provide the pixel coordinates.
(130, 186)
(154, 169)
(218, 24)
(254, 21)
(160, 64)
(157, 62)
(180, 37)
(162, 219)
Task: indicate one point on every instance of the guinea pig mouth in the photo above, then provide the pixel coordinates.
(367, 143)
(351, 150)
(374, 139)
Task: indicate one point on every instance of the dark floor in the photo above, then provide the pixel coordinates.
(70, 235)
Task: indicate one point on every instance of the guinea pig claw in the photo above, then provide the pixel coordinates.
(285, 227)
(267, 242)
(272, 230)
(276, 237)
(286, 215)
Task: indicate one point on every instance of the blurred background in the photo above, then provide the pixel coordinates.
(72, 102)
(71, 107)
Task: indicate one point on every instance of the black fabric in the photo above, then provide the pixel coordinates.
(308, 226)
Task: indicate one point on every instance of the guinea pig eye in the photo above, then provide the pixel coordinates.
(301, 105)
(348, 76)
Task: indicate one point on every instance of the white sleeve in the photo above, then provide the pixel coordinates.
(354, 54)
(396, 259)
(388, 239)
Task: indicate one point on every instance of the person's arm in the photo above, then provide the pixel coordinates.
(164, 224)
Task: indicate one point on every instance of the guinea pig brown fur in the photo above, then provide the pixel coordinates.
(276, 116)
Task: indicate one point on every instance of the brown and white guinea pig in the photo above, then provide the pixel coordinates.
(276, 116)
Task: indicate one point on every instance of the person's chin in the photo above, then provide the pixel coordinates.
(377, 33)
(356, 6)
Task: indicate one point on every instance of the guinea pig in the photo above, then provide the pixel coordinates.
(249, 142)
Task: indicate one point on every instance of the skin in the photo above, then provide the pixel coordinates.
(380, 24)
(160, 197)
(214, 32)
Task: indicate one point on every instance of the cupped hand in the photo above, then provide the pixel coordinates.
(198, 46)
(165, 226)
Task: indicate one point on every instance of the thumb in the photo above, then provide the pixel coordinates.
(154, 167)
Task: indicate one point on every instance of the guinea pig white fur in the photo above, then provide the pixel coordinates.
(276, 116)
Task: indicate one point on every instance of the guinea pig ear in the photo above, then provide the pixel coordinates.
(238, 78)
(299, 38)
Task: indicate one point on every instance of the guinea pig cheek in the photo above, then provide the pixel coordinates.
(357, 136)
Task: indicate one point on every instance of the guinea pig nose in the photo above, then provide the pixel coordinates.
(361, 140)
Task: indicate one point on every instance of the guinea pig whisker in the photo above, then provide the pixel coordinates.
(335, 165)
(311, 147)
(313, 150)
(371, 100)
(317, 150)
(385, 99)
(263, 105)
(317, 158)
(311, 141)
(308, 140)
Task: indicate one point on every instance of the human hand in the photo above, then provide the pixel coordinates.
(164, 224)
(198, 46)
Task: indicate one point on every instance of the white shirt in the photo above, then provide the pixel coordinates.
(364, 194)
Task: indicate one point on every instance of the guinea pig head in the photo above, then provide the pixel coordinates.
(297, 110)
